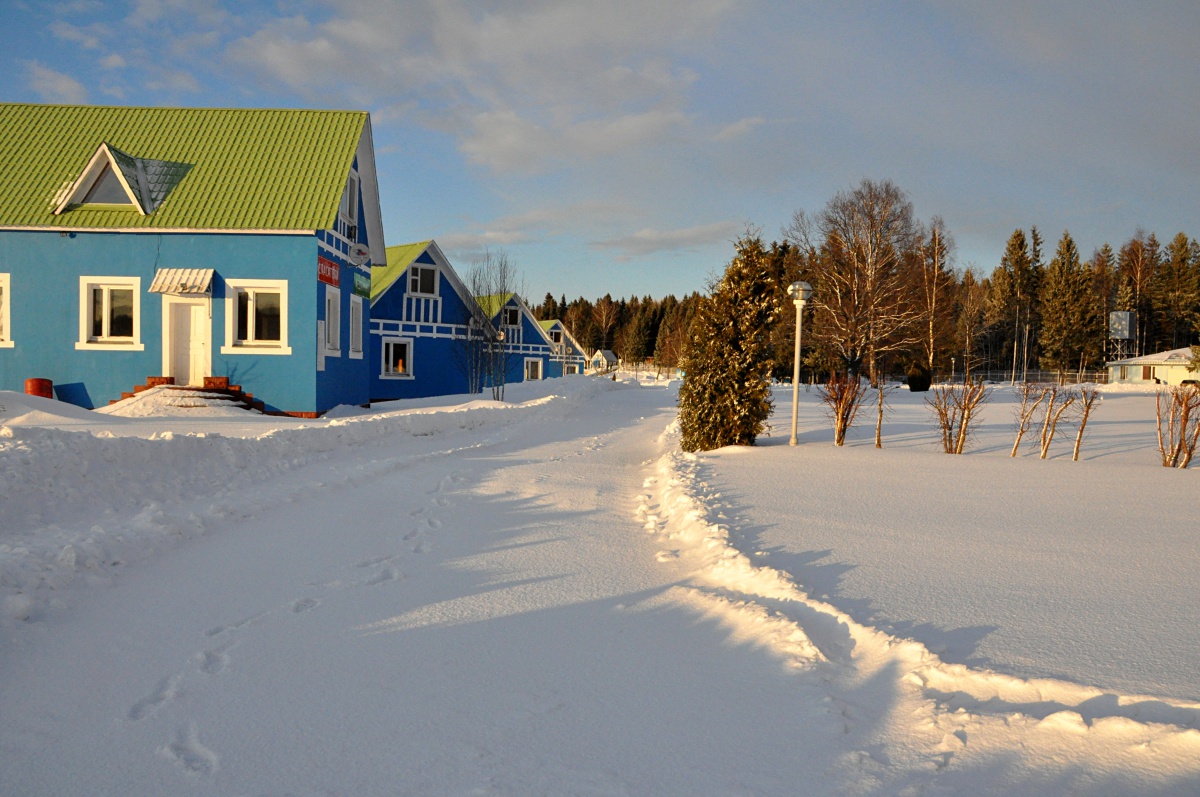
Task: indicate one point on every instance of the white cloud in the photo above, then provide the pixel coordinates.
(54, 86)
(525, 87)
(649, 241)
(739, 128)
(87, 37)
(112, 61)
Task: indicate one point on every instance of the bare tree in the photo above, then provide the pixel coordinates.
(1180, 404)
(1087, 398)
(1050, 420)
(972, 302)
(842, 396)
(858, 246)
(1024, 414)
(935, 284)
(605, 313)
(493, 279)
(954, 407)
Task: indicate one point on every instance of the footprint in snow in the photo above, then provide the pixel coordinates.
(377, 560)
(167, 689)
(433, 523)
(189, 753)
(383, 576)
(213, 662)
(666, 556)
(304, 604)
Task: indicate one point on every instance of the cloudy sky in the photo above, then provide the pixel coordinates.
(621, 146)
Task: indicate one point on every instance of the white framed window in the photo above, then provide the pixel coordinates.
(556, 335)
(571, 369)
(356, 327)
(511, 316)
(349, 206)
(110, 314)
(256, 317)
(533, 369)
(397, 358)
(422, 279)
(6, 341)
(333, 321)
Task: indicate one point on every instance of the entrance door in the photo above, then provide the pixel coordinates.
(187, 343)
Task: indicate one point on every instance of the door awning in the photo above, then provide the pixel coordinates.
(182, 280)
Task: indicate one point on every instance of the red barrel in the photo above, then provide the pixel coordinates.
(40, 387)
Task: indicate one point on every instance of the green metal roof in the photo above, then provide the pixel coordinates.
(492, 304)
(546, 325)
(242, 169)
(399, 258)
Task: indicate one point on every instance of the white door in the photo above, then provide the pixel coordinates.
(188, 343)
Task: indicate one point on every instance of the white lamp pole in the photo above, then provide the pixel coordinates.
(800, 293)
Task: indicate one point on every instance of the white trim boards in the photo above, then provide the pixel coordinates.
(103, 305)
(245, 335)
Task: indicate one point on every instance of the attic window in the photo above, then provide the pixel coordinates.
(107, 190)
(113, 177)
(512, 316)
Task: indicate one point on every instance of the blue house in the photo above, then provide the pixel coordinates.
(567, 356)
(188, 244)
(527, 351)
(428, 337)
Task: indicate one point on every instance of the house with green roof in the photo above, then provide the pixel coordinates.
(527, 352)
(567, 357)
(428, 336)
(188, 244)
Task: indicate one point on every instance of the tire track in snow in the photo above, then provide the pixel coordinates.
(941, 708)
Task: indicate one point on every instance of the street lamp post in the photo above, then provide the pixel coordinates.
(800, 293)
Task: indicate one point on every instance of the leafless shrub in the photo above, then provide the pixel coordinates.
(882, 390)
(1178, 407)
(1024, 414)
(954, 406)
(1054, 394)
(842, 396)
(1087, 397)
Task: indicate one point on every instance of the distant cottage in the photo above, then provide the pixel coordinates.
(185, 244)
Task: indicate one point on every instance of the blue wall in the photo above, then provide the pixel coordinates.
(45, 268)
(437, 360)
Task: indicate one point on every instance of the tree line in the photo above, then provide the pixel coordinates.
(888, 298)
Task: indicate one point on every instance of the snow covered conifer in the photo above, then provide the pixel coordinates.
(725, 398)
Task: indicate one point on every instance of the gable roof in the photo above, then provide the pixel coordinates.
(243, 169)
(399, 258)
(494, 303)
(1173, 357)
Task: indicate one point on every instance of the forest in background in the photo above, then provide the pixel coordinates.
(889, 297)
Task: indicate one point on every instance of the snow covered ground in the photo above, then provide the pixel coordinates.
(546, 596)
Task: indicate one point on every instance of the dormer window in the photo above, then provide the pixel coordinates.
(107, 190)
(113, 177)
(422, 280)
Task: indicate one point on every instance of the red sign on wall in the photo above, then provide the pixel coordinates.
(328, 272)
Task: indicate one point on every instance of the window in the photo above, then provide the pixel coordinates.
(333, 320)
(107, 190)
(556, 335)
(397, 358)
(533, 369)
(109, 313)
(512, 316)
(349, 206)
(356, 327)
(256, 317)
(570, 369)
(422, 280)
(5, 324)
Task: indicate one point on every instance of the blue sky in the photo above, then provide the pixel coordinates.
(621, 146)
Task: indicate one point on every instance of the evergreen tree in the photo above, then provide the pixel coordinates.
(1175, 292)
(1071, 324)
(725, 398)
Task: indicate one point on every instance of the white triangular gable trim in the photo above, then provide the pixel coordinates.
(104, 156)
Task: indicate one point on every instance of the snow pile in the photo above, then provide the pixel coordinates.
(172, 401)
(83, 503)
(923, 712)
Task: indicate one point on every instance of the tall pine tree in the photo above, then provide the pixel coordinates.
(1071, 321)
(725, 397)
